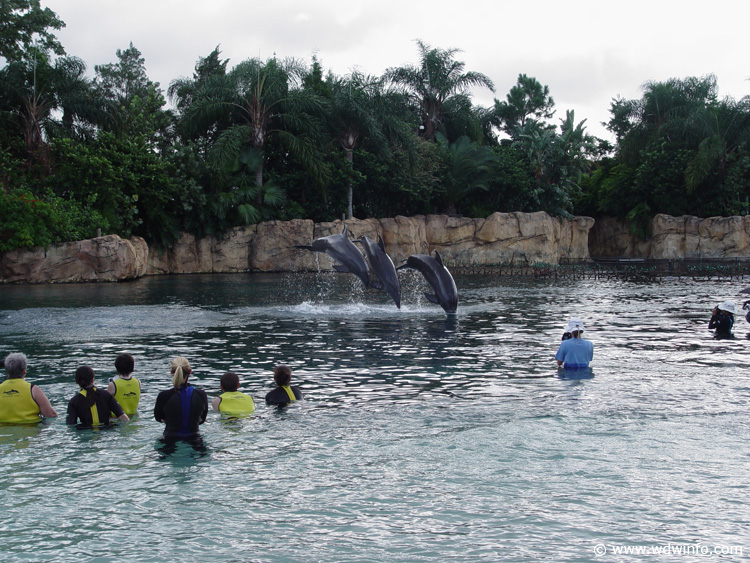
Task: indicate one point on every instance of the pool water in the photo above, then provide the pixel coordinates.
(422, 437)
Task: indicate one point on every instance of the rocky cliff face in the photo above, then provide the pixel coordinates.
(106, 258)
(501, 238)
(685, 237)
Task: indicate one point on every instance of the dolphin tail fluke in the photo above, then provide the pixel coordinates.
(341, 268)
(432, 298)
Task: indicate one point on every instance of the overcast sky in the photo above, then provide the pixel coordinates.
(586, 51)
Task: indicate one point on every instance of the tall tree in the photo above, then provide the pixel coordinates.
(134, 102)
(259, 99)
(352, 115)
(526, 102)
(34, 94)
(437, 79)
(24, 23)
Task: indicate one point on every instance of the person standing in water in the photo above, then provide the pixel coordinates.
(20, 401)
(575, 352)
(284, 393)
(125, 388)
(182, 408)
(92, 406)
(722, 318)
(232, 402)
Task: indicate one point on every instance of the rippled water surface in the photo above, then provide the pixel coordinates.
(421, 437)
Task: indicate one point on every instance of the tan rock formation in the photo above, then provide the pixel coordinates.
(502, 238)
(107, 258)
(677, 238)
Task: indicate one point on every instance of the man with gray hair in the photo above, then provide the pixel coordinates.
(20, 401)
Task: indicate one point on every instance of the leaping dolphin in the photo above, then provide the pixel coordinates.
(343, 251)
(439, 278)
(383, 267)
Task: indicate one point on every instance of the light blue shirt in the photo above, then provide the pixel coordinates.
(575, 353)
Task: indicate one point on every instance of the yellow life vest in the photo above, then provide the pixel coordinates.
(128, 394)
(16, 402)
(236, 403)
(289, 392)
(94, 410)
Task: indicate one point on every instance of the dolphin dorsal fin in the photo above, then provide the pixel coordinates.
(344, 232)
(439, 260)
(381, 244)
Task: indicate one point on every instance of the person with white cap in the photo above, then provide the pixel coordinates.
(575, 352)
(722, 318)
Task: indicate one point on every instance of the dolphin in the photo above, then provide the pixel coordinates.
(383, 267)
(343, 251)
(439, 278)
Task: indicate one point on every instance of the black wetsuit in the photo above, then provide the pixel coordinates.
(279, 397)
(722, 323)
(79, 409)
(169, 409)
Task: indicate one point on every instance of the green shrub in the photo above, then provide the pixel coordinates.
(27, 220)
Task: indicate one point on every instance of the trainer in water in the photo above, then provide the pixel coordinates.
(722, 318)
(343, 251)
(440, 280)
(383, 268)
(21, 401)
(182, 408)
(574, 352)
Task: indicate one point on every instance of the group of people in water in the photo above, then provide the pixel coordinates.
(182, 408)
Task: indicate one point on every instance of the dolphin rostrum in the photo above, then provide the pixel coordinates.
(343, 251)
(383, 267)
(439, 278)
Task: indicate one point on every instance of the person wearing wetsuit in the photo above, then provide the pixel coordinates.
(125, 388)
(575, 352)
(183, 407)
(722, 319)
(20, 401)
(232, 402)
(284, 392)
(92, 406)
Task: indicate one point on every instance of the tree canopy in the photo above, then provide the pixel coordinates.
(280, 138)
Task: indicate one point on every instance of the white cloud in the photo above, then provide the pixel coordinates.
(586, 51)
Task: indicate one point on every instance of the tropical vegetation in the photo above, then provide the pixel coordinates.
(86, 152)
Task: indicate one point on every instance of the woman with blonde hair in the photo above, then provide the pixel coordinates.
(183, 407)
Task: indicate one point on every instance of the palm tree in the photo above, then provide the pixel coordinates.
(353, 115)
(469, 168)
(258, 100)
(32, 91)
(434, 82)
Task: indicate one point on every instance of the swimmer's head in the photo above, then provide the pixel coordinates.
(15, 365)
(84, 376)
(124, 364)
(230, 381)
(180, 371)
(282, 375)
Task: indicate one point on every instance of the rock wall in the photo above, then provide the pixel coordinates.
(108, 258)
(501, 238)
(685, 237)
